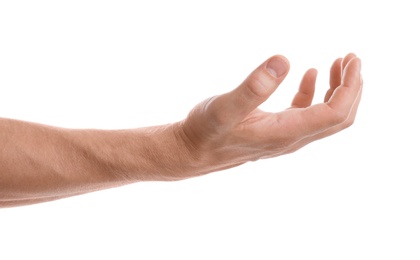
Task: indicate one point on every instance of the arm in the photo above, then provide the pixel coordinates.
(40, 163)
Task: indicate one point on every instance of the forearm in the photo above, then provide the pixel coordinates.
(41, 163)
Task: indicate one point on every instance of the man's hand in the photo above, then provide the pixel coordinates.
(228, 130)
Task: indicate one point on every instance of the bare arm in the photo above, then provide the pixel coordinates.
(40, 163)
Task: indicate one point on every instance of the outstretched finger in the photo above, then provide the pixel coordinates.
(346, 61)
(235, 105)
(305, 95)
(345, 95)
(336, 74)
(335, 78)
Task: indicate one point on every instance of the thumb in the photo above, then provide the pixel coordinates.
(235, 105)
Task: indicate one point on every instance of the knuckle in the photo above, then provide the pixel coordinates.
(255, 87)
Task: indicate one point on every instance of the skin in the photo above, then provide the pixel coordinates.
(40, 163)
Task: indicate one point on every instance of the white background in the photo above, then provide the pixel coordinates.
(124, 64)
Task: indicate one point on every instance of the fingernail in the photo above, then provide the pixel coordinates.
(277, 67)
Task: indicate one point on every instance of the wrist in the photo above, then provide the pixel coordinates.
(200, 154)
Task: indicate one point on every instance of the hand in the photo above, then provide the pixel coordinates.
(228, 130)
